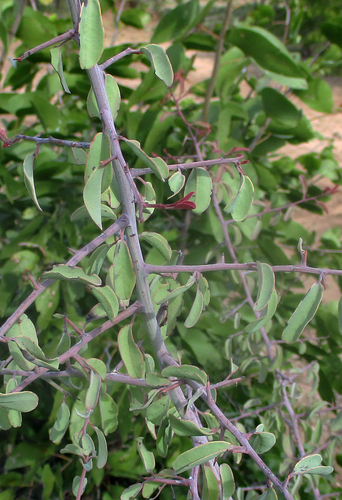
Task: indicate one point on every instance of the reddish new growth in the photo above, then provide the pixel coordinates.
(183, 204)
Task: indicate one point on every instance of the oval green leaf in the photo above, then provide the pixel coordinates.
(159, 242)
(200, 182)
(186, 372)
(130, 353)
(199, 455)
(240, 205)
(107, 299)
(20, 401)
(266, 284)
(160, 62)
(304, 313)
(146, 456)
(195, 311)
(29, 179)
(73, 273)
(123, 273)
(91, 34)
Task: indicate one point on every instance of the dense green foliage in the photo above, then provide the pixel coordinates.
(126, 335)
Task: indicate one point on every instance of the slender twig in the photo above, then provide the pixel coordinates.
(114, 59)
(294, 421)
(58, 39)
(248, 266)
(117, 20)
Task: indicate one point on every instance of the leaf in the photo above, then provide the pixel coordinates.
(199, 455)
(56, 61)
(60, 427)
(188, 428)
(176, 183)
(124, 276)
(109, 413)
(130, 353)
(76, 485)
(279, 108)
(131, 492)
(93, 391)
(266, 49)
(269, 494)
(156, 411)
(200, 182)
(333, 30)
(34, 354)
(137, 18)
(266, 282)
(23, 327)
(98, 366)
(240, 205)
(91, 34)
(29, 179)
(211, 490)
(265, 315)
(311, 465)
(146, 456)
(102, 451)
(114, 99)
(318, 95)
(24, 401)
(166, 295)
(177, 23)
(159, 242)
(227, 481)
(186, 372)
(107, 299)
(160, 62)
(303, 314)
(157, 165)
(73, 273)
(262, 441)
(195, 311)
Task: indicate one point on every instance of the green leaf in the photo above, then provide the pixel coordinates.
(199, 455)
(107, 299)
(176, 183)
(137, 18)
(266, 49)
(240, 205)
(200, 182)
(93, 391)
(74, 449)
(265, 315)
(131, 492)
(186, 372)
(318, 95)
(76, 485)
(269, 494)
(91, 34)
(211, 490)
(48, 114)
(130, 353)
(157, 165)
(24, 401)
(166, 295)
(73, 273)
(24, 327)
(266, 282)
(177, 23)
(56, 61)
(188, 428)
(146, 456)
(33, 353)
(114, 98)
(160, 62)
(262, 441)
(227, 481)
(29, 179)
(102, 451)
(303, 314)
(195, 311)
(124, 276)
(279, 108)
(159, 242)
(60, 427)
(109, 413)
(98, 366)
(333, 30)
(156, 411)
(311, 465)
